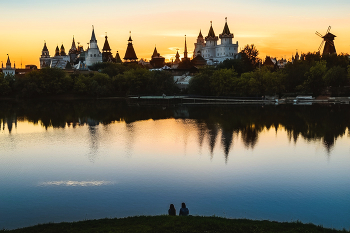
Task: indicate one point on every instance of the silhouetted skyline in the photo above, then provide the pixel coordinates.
(277, 28)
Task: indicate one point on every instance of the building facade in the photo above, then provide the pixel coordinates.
(93, 54)
(8, 70)
(45, 59)
(213, 52)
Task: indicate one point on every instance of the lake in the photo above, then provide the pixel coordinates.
(77, 160)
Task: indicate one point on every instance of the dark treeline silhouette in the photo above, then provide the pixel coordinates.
(316, 122)
(312, 74)
(105, 79)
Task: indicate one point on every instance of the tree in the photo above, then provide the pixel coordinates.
(223, 82)
(5, 88)
(314, 78)
(336, 77)
(200, 83)
(236, 64)
(249, 56)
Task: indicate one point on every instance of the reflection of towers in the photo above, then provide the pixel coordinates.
(94, 141)
(226, 140)
(94, 137)
(10, 121)
(201, 127)
(328, 141)
(249, 136)
(130, 138)
(212, 133)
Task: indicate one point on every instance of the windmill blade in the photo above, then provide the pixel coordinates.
(319, 34)
(331, 42)
(329, 28)
(319, 48)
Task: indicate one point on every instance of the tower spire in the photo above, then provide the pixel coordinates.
(185, 52)
(93, 37)
(8, 63)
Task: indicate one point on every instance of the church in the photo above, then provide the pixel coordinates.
(84, 59)
(212, 52)
(8, 70)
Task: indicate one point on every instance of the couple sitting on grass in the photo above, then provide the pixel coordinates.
(183, 211)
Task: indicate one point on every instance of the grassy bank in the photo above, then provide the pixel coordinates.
(172, 224)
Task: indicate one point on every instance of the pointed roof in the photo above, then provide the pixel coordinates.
(155, 52)
(45, 48)
(226, 30)
(329, 36)
(185, 52)
(130, 52)
(117, 58)
(200, 33)
(211, 31)
(57, 51)
(8, 63)
(73, 44)
(130, 40)
(62, 51)
(211, 34)
(93, 37)
(177, 57)
(106, 45)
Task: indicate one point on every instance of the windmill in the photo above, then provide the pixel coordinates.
(329, 47)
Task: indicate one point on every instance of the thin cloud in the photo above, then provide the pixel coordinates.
(76, 183)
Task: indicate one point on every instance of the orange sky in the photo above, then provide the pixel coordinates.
(276, 28)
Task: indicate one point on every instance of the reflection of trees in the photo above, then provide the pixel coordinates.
(316, 122)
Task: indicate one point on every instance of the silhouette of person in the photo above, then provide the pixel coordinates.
(172, 210)
(184, 210)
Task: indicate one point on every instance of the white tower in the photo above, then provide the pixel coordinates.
(93, 54)
(199, 45)
(209, 52)
(45, 59)
(9, 70)
(226, 50)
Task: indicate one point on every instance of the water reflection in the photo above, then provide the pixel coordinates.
(139, 162)
(316, 122)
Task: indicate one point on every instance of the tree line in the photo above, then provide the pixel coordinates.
(313, 74)
(106, 79)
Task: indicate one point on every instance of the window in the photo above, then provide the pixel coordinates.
(90, 55)
(94, 55)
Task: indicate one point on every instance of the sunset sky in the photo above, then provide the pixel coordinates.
(277, 28)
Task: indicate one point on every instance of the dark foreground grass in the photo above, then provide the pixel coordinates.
(173, 224)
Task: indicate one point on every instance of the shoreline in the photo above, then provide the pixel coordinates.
(165, 223)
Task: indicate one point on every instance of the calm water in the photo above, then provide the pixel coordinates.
(70, 161)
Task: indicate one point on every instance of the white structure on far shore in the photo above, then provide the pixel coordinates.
(211, 51)
(78, 58)
(8, 70)
(93, 54)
